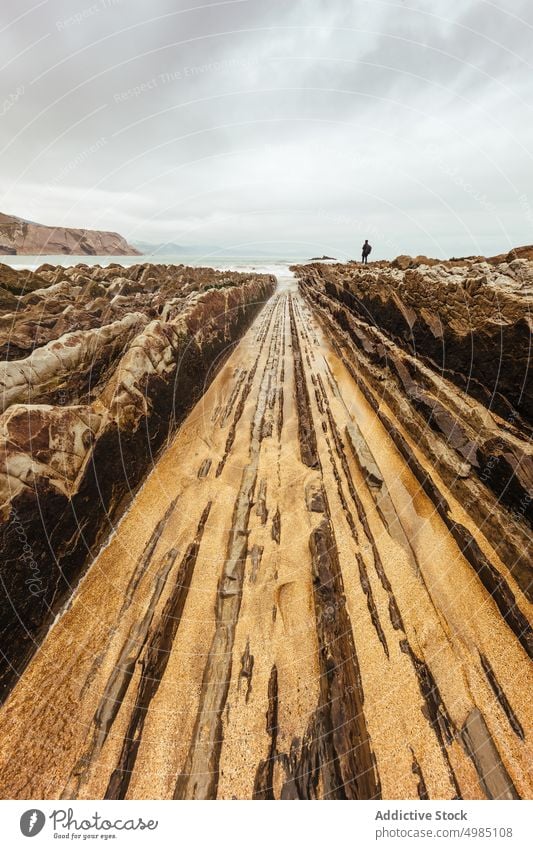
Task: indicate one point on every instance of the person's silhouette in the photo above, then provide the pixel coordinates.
(366, 251)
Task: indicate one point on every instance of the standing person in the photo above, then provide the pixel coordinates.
(366, 250)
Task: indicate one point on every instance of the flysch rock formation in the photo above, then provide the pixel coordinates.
(322, 590)
(447, 348)
(85, 412)
(18, 236)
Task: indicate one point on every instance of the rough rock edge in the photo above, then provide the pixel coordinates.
(70, 472)
(475, 328)
(379, 366)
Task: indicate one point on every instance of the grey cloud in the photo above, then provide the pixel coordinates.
(300, 123)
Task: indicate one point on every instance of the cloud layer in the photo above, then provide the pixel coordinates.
(293, 126)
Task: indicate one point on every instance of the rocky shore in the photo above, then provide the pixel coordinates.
(446, 346)
(322, 590)
(98, 367)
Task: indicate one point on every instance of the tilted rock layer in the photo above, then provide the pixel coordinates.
(18, 236)
(86, 411)
(321, 591)
(447, 347)
(441, 352)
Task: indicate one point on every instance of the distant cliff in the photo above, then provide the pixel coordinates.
(18, 236)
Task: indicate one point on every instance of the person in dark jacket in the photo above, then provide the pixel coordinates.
(366, 251)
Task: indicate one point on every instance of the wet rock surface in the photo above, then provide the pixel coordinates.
(86, 412)
(447, 348)
(472, 321)
(317, 593)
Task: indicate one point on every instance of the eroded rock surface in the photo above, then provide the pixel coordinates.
(85, 413)
(318, 593)
(447, 348)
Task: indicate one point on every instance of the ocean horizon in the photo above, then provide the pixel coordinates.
(264, 265)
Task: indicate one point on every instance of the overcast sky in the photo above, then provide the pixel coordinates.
(290, 126)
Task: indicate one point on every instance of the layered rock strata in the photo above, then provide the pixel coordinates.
(299, 602)
(447, 349)
(84, 415)
(18, 236)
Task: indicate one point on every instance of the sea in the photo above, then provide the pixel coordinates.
(258, 265)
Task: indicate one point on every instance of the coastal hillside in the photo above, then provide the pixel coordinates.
(18, 236)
